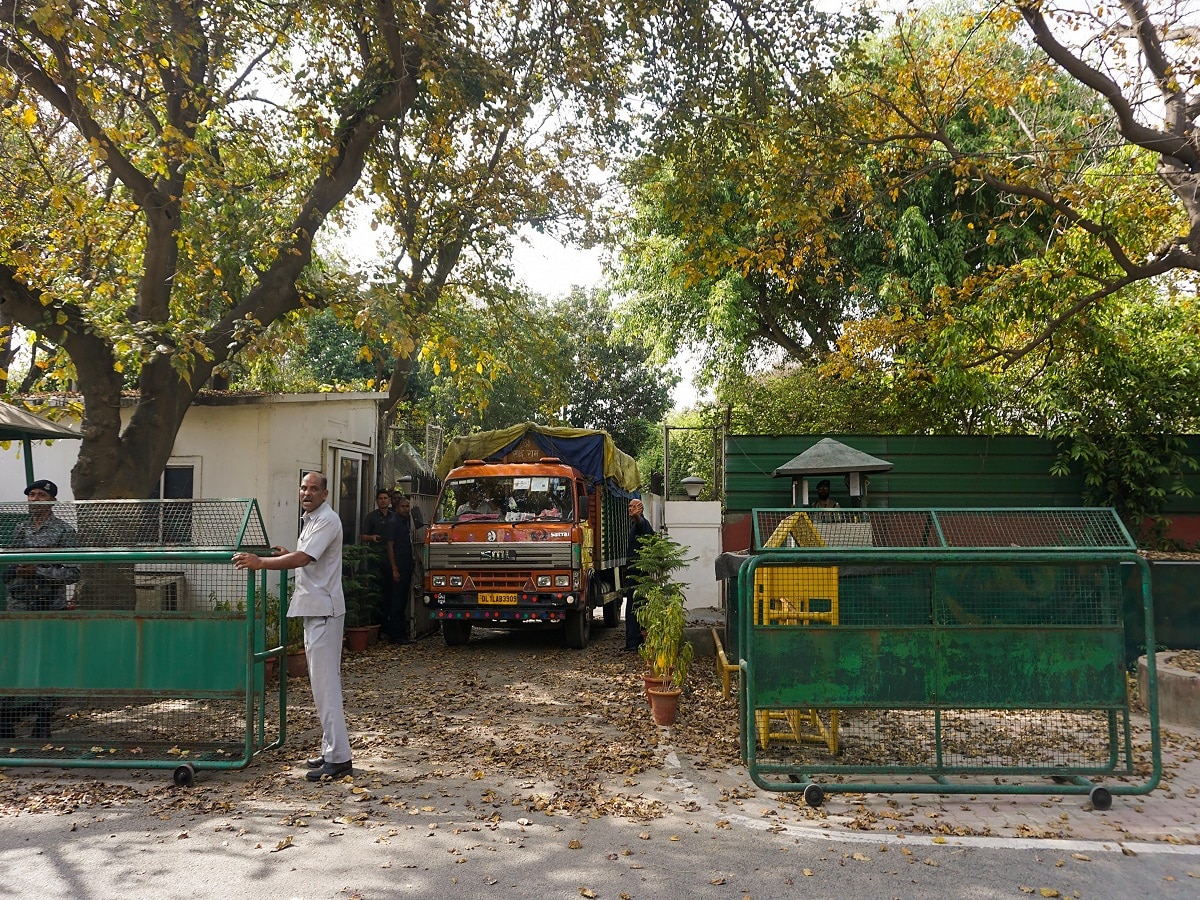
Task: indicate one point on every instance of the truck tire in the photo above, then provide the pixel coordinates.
(612, 613)
(456, 632)
(578, 627)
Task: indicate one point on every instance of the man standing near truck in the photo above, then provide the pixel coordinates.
(374, 533)
(639, 529)
(400, 538)
(318, 599)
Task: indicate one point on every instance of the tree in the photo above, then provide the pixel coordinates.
(613, 383)
(1055, 167)
(162, 272)
(197, 149)
(781, 238)
(558, 362)
(178, 159)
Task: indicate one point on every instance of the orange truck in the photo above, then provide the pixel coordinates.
(531, 526)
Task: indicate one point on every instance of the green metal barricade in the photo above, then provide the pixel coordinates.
(139, 645)
(981, 649)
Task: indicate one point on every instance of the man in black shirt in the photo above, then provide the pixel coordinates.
(401, 540)
(374, 533)
(639, 529)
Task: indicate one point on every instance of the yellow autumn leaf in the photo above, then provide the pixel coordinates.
(1048, 892)
(29, 116)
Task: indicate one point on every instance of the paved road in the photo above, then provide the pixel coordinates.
(511, 768)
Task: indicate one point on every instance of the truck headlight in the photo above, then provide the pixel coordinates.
(562, 580)
(456, 581)
(543, 581)
(439, 580)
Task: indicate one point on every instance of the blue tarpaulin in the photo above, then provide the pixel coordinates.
(590, 451)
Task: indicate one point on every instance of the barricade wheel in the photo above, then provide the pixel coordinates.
(1101, 798)
(185, 775)
(814, 796)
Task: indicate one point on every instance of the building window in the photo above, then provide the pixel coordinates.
(171, 523)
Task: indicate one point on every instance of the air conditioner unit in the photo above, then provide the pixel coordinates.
(159, 591)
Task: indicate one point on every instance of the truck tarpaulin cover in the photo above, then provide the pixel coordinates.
(591, 452)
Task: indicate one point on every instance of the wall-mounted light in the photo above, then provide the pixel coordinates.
(693, 484)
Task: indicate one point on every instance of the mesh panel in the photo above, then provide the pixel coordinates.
(125, 634)
(184, 524)
(1027, 529)
(976, 741)
(1034, 528)
(131, 727)
(878, 661)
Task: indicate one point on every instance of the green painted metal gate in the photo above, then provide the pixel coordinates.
(950, 644)
(134, 642)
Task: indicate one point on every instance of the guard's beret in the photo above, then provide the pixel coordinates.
(43, 484)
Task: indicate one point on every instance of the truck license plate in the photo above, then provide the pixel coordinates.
(499, 599)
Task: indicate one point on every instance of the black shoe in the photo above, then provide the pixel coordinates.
(316, 762)
(331, 771)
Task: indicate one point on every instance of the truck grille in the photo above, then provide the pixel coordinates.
(513, 557)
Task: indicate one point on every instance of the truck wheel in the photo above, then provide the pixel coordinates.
(578, 627)
(612, 613)
(456, 632)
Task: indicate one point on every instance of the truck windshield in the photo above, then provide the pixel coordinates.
(507, 498)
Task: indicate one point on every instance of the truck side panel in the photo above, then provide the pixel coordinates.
(613, 527)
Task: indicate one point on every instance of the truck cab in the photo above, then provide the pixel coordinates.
(511, 544)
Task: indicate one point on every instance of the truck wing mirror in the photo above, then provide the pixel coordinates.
(583, 506)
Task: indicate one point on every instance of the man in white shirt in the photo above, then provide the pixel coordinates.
(318, 599)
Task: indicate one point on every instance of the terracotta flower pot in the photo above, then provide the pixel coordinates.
(664, 705)
(297, 664)
(358, 639)
(652, 681)
(271, 668)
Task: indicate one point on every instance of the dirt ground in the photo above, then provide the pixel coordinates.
(540, 726)
(514, 724)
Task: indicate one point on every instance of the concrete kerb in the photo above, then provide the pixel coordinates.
(1178, 690)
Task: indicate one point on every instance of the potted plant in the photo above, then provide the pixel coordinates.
(291, 637)
(267, 609)
(360, 585)
(660, 614)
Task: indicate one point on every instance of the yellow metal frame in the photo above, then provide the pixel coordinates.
(725, 669)
(775, 604)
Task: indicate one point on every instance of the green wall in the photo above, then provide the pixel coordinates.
(929, 471)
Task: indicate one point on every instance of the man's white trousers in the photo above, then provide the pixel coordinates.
(323, 647)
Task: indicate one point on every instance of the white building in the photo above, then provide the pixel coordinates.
(249, 446)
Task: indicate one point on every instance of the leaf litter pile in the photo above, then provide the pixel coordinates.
(533, 725)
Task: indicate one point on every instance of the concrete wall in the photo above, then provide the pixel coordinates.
(697, 525)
